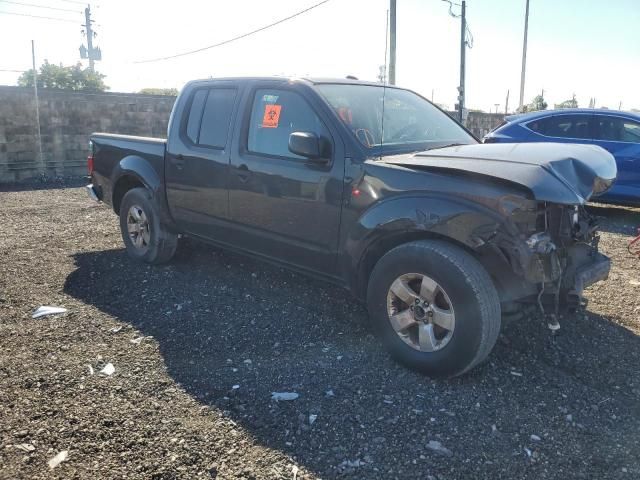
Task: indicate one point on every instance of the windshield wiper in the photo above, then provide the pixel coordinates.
(448, 145)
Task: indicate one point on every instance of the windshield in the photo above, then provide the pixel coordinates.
(410, 122)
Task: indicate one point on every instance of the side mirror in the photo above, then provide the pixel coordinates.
(307, 144)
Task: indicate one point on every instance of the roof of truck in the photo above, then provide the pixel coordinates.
(310, 80)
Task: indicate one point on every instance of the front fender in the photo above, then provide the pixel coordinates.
(387, 224)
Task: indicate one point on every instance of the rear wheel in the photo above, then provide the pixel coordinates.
(435, 307)
(144, 236)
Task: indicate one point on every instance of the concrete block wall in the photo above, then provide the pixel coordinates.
(66, 121)
(481, 123)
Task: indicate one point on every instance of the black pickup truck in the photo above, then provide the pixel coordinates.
(374, 188)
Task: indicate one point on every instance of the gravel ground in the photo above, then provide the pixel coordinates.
(199, 345)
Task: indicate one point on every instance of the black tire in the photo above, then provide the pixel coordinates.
(472, 295)
(162, 243)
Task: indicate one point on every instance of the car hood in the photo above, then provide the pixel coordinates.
(553, 172)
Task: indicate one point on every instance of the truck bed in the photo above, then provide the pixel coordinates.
(113, 154)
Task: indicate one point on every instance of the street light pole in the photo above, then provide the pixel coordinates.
(463, 51)
(392, 42)
(524, 54)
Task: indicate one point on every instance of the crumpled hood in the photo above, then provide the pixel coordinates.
(554, 172)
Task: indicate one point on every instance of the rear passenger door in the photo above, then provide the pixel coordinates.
(197, 163)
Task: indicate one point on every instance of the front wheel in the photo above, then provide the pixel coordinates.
(143, 234)
(434, 306)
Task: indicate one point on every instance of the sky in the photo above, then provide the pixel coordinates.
(590, 48)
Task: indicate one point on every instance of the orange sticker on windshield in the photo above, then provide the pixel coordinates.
(271, 116)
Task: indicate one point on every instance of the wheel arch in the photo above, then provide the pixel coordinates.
(460, 223)
(131, 172)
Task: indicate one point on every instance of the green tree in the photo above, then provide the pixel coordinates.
(66, 78)
(538, 103)
(173, 92)
(571, 103)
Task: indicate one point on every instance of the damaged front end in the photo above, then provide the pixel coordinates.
(555, 247)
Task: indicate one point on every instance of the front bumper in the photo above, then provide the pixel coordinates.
(592, 272)
(92, 192)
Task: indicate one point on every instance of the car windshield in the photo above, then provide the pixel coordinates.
(411, 123)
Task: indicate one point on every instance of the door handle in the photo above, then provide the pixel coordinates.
(243, 173)
(177, 161)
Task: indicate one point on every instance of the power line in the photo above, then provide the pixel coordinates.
(84, 4)
(244, 35)
(38, 16)
(40, 6)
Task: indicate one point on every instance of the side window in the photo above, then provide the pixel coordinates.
(631, 131)
(195, 114)
(564, 126)
(210, 116)
(217, 117)
(274, 116)
(616, 129)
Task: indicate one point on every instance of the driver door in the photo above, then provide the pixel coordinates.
(286, 206)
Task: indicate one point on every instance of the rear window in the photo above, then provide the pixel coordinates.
(210, 116)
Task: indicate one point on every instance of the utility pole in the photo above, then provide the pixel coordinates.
(524, 55)
(35, 94)
(392, 42)
(88, 29)
(506, 104)
(463, 51)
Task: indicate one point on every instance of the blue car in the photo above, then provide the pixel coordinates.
(615, 131)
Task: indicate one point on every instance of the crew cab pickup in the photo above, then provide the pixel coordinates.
(374, 188)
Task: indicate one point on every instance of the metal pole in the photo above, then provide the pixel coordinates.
(463, 51)
(87, 17)
(35, 94)
(506, 104)
(524, 55)
(392, 42)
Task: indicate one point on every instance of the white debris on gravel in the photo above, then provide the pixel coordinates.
(27, 447)
(312, 418)
(90, 369)
(351, 463)
(535, 438)
(517, 374)
(283, 396)
(329, 393)
(294, 469)
(527, 451)
(235, 387)
(58, 459)
(47, 310)
(116, 329)
(137, 341)
(108, 369)
(437, 447)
